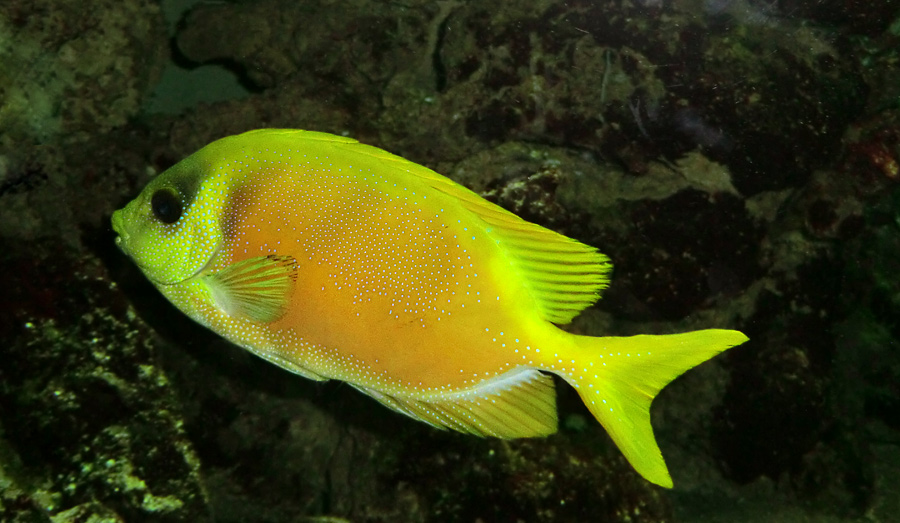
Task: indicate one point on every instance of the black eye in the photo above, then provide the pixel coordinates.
(166, 206)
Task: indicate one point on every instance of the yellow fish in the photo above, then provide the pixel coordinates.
(337, 260)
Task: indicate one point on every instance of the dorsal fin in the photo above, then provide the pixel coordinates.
(563, 275)
(518, 404)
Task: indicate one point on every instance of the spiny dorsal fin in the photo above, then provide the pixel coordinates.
(257, 289)
(563, 275)
(518, 404)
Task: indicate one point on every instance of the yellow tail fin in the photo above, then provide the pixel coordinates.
(618, 378)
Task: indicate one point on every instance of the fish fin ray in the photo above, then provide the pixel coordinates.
(518, 404)
(563, 276)
(553, 266)
(625, 374)
(257, 289)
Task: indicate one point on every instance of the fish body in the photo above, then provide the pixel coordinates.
(338, 260)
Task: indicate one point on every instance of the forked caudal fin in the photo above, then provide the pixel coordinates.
(617, 378)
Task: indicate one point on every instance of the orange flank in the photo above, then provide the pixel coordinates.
(337, 260)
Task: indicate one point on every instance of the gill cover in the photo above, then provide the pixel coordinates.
(173, 228)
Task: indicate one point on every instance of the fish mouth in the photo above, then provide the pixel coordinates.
(151, 271)
(119, 228)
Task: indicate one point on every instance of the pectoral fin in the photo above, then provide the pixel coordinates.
(257, 289)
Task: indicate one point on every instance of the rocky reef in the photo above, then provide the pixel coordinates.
(737, 161)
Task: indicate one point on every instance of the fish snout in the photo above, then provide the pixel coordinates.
(118, 225)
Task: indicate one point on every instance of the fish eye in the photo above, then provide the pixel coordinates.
(166, 206)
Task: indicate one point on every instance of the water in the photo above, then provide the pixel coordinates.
(736, 160)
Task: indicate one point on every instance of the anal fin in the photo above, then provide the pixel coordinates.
(518, 404)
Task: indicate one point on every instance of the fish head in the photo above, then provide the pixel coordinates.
(172, 230)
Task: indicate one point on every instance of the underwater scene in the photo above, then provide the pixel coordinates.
(312, 261)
